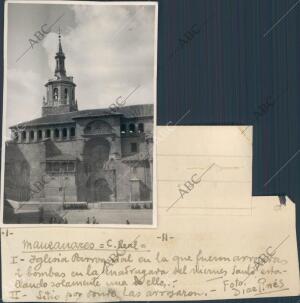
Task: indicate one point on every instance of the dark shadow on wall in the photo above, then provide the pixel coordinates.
(51, 149)
(98, 190)
(17, 174)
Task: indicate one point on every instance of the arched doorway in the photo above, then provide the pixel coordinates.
(99, 190)
(96, 153)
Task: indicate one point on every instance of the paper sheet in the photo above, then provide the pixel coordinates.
(237, 246)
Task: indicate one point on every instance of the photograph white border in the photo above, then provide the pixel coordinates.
(4, 107)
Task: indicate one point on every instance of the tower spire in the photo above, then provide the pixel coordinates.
(60, 97)
(60, 70)
(59, 42)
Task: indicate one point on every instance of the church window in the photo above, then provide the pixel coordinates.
(131, 128)
(64, 132)
(55, 93)
(141, 127)
(31, 135)
(56, 133)
(55, 167)
(24, 135)
(71, 167)
(133, 147)
(40, 135)
(72, 131)
(48, 133)
(66, 93)
(123, 128)
(64, 166)
(87, 168)
(48, 167)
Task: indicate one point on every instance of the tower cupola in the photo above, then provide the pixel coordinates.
(60, 91)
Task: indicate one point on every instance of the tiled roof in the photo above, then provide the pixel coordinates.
(133, 111)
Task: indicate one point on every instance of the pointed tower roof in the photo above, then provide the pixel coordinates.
(60, 51)
(61, 89)
(60, 70)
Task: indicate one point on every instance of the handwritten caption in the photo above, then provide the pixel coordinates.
(119, 269)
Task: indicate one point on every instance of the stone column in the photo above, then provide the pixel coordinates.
(35, 138)
(20, 136)
(27, 136)
(52, 133)
(50, 95)
(60, 134)
(68, 133)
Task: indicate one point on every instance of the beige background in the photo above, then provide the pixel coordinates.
(211, 238)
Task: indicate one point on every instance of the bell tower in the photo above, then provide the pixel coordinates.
(60, 91)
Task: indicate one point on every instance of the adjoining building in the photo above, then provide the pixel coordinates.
(89, 155)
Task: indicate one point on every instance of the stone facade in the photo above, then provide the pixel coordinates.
(88, 155)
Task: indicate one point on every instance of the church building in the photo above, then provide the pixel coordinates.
(93, 155)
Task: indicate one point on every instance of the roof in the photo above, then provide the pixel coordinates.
(133, 111)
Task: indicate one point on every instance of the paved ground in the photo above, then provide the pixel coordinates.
(55, 214)
(108, 216)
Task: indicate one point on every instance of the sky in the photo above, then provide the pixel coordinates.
(109, 49)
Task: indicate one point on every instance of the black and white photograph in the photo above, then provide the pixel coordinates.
(79, 113)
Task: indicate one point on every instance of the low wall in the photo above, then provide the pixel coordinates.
(122, 205)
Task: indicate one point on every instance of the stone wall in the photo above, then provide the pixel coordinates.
(55, 110)
(25, 166)
(60, 188)
(23, 169)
